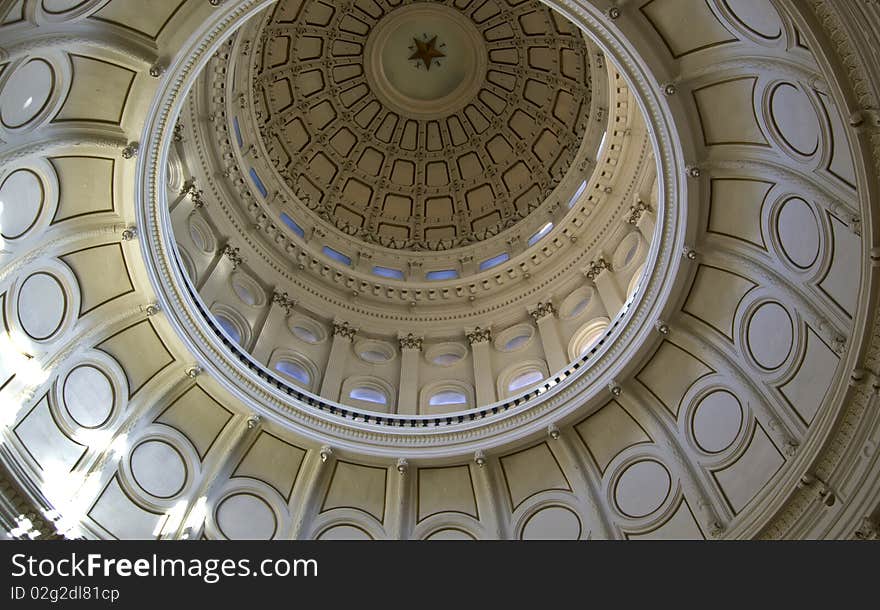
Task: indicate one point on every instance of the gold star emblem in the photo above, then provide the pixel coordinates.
(427, 52)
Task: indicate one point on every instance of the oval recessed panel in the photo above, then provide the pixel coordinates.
(41, 306)
(88, 396)
(799, 232)
(758, 16)
(158, 468)
(770, 335)
(344, 532)
(21, 200)
(246, 517)
(552, 523)
(576, 303)
(244, 293)
(717, 421)
(795, 118)
(642, 488)
(26, 93)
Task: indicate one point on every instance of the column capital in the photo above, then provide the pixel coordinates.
(542, 310)
(596, 267)
(344, 329)
(410, 341)
(234, 255)
(281, 298)
(636, 211)
(479, 335)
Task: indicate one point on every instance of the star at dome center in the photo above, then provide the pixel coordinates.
(427, 52)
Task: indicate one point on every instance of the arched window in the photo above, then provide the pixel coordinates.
(234, 325)
(229, 327)
(294, 371)
(586, 337)
(446, 397)
(635, 282)
(295, 367)
(520, 377)
(369, 393)
(186, 261)
(524, 380)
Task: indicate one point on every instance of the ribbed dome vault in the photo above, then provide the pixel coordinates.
(413, 154)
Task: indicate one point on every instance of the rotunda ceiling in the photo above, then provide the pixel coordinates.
(425, 126)
(147, 326)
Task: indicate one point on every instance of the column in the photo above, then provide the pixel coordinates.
(408, 391)
(188, 189)
(266, 337)
(484, 381)
(343, 336)
(599, 272)
(544, 316)
(225, 262)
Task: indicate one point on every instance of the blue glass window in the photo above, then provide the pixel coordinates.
(337, 256)
(258, 183)
(290, 223)
(494, 261)
(393, 274)
(446, 274)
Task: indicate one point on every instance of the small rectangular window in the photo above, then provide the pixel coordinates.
(601, 145)
(577, 194)
(337, 256)
(392, 274)
(494, 261)
(541, 234)
(237, 132)
(290, 223)
(446, 274)
(258, 183)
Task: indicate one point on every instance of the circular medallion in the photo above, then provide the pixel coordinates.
(425, 60)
